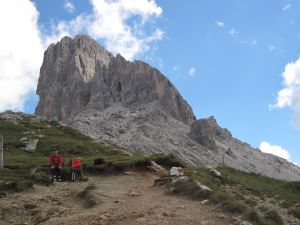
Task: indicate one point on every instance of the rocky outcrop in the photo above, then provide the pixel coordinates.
(77, 74)
(133, 105)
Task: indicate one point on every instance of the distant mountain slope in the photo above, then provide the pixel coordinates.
(133, 105)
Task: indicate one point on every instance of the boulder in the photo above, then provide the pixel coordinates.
(187, 186)
(176, 171)
(31, 145)
(157, 168)
(216, 173)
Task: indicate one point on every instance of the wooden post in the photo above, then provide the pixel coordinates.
(1, 152)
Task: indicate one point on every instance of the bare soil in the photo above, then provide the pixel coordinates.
(122, 199)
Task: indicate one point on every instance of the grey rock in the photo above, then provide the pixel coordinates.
(187, 186)
(10, 116)
(216, 173)
(133, 105)
(31, 145)
(80, 75)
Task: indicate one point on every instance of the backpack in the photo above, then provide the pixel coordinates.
(75, 163)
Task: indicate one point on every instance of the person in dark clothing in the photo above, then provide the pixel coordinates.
(56, 163)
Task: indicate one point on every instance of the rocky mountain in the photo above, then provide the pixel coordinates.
(133, 105)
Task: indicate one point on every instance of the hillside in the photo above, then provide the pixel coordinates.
(122, 190)
(133, 105)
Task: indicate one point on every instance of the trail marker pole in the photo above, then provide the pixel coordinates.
(1, 152)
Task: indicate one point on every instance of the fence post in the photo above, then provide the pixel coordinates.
(1, 152)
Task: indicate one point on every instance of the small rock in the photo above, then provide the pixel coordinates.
(30, 205)
(40, 135)
(245, 223)
(127, 173)
(141, 219)
(204, 202)
(134, 194)
(31, 145)
(176, 171)
(39, 219)
(103, 217)
(15, 206)
(35, 212)
(221, 216)
(23, 139)
(165, 214)
(216, 173)
(157, 168)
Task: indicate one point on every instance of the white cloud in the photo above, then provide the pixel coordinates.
(69, 6)
(21, 52)
(119, 24)
(109, 23)
(220, 24)
(286, 7)
(289, 95)
(233, 32)
(274, 149)
(192, 72)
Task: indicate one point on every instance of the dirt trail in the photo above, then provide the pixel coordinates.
(123, 199)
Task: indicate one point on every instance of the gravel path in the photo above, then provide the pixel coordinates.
(123, 199)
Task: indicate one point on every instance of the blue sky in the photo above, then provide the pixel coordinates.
(234, 59)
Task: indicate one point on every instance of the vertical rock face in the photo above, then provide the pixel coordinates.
(133, 105)
(78, 74)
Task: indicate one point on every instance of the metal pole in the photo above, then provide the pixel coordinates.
(1, 152)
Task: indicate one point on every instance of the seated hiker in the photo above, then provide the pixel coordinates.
(75, 168)
(56, 162)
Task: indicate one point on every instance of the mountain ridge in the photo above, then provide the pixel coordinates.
(133, 105)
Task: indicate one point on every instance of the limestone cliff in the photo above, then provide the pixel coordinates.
(133, 105)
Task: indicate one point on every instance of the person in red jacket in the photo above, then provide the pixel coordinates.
(75, 165)
(56, 163)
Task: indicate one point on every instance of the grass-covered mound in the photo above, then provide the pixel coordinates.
(246, 188)
(23, 169)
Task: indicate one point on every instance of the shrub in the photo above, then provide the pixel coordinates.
(99, 161)
(274, 217)
(169, 160)
(256, 219)
(234, 206)
(264, 208)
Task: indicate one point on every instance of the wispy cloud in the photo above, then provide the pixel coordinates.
(233, 32)
(286, 7)
(275, 150)
(248, 42)
(220, 24)
(69, 6)
(192, 72)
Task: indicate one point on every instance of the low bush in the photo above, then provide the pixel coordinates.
(234, 206)
(274, 217)
(256, 219)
